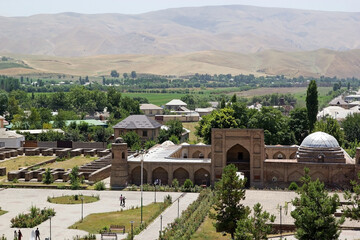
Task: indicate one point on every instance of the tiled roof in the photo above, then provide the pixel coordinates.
(138, 122)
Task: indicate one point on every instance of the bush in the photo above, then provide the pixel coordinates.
(293, 186)
(188, 184)
(100, 186)
(175, 184)
(168, 199)
(47, 177)
(32, 219)
(74, 178)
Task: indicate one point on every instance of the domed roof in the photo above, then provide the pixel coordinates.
(320, 140)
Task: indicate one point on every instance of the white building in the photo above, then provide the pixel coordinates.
(10, 139)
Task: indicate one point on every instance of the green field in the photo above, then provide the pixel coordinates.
(322, 93)
(5, 65)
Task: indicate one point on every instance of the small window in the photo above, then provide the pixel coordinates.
(201, 155)
(280, 156)
(123, 155)
(144, 133)
(185, 155)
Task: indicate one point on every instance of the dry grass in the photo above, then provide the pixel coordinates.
(191, 126)
(23, 161)
(207, 231)
(70, 163)
(290, 64)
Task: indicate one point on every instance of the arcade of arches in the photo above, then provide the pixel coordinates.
(262, 165)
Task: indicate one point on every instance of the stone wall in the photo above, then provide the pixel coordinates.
(100, 174)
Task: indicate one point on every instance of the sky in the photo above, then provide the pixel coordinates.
(10, 8)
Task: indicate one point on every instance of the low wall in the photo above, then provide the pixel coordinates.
(47, 144)
(97, 145)
(100, 174)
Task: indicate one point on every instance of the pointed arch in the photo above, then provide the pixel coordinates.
(136, 176)
(198, 154)
(279, 155)
(181, 175)
(202, 177)
(160, 173)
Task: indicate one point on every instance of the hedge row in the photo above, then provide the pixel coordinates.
(185, 226)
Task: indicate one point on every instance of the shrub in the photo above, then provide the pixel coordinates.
(175, 184)
(100, 186)
(293, 186)
(47, 177)
(188, 184)
(32, 219)
(15, 180)
(168, 199)
(74, 178)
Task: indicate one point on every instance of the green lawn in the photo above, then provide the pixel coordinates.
(2, 212)
(5, 65)
(71, 199)
(97, 221)
(23, 161)
(207, 231)
(70, 163)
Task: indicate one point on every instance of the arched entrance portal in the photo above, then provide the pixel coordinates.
(240, 157)
(136, 176)
(202, 177)
(181, 175)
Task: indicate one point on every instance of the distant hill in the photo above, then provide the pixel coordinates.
(241, 29)
(270, 62)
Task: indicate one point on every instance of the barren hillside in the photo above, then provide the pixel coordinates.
(271, 62)
(238, 28)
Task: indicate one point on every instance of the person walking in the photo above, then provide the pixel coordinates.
(124, 201)
(37, 234)
(19, 235)
(121, 200)
(15, 235)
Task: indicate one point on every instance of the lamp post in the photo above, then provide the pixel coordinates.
(155, 190)
(142, 179)
(132, 232)
(50, 227)
(280, 222)
(82, 209)
(160, 226)
(178, 207)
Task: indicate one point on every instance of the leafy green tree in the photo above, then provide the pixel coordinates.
(314, 211)
(174, 139)
(125, 75)
(114, 74)
(188, 184)
(133, 74)
(190, 100)
(4, 101)
(149, 144)
(255, 227)
(312, 103)
(74, 178)
(233, 99)
(299, 124)
(224, 118)
(275, 125)
(45, 115)
(353, 212)
(13, 107)
(47, 177)
(113, 98)
(131, 138)
(34, 119)
(332, 127)
(228, 207)
(351, 126)
(222, 103)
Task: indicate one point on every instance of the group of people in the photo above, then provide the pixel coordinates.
(35, 235)
(122, 201)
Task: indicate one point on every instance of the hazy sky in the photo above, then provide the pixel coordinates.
(31, 7)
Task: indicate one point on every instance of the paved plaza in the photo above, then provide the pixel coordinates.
(20, 200)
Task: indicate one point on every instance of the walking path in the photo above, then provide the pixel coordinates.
(168, 216)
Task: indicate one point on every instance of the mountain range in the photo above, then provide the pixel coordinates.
(238, 29)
